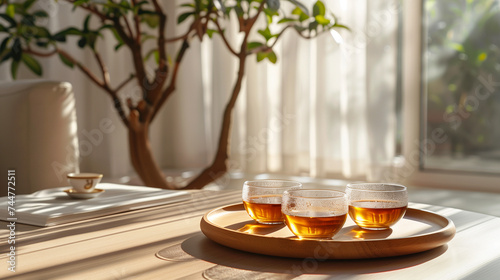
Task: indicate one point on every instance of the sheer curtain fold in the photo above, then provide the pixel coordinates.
(335, 102)
(324, 110)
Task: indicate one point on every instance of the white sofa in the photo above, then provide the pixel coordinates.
(38, 136)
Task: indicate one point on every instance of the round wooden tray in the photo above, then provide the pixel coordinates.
(418, 231)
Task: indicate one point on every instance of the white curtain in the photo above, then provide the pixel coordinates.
(326, 109)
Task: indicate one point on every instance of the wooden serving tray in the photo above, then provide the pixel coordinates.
(417, 231)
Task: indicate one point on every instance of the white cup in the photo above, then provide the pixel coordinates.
(84, 182)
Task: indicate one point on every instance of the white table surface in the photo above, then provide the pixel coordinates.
(124, 246)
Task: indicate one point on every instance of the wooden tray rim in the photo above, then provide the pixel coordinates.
(444, 234)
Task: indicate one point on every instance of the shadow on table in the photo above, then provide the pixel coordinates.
(231, 262)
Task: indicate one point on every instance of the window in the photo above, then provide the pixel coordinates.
(453, 138)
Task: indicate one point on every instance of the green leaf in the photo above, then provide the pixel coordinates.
(10, 10)
(297, 11)
(66, 61)
(145, 36)
(303, 17)
(71, 31)
(300, 6)
(253, 45)
(261, 56)
(80, 2)
(149, 54)
(157, 57)
(125, 5)
(82, 42)
(210, 32)
(9, 19)
(117, 36)
(17, 50)
(452, 87)
(284, 20)
(341, 26)
(188, 5)
(91, 39)
(184, 16)
(42, 44)
(482, 56)
(3, 45)
(155, 54)
(40, 32)
(7, 56)
(197, 4)
(299, 29)
(32, 63)
(13, 68)
(450, 109)
(151, 20)
(118, 46)
(28, 20)
(458, 47)
(313, 25)
(144, 2)
(272, 57)
(3, 29)
(61, 35)
(269, 18)
(270, 12)
(319, 9)
(86, 24)
(41, 14)
(27, 4)
(322, 20)
(266, 33)
(113, 6)
(239, 11)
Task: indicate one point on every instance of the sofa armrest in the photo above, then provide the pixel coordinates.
(39, 133)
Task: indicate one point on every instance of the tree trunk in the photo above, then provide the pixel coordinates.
(219, 166)
(142, 158)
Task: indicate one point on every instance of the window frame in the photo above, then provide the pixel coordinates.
(412, 172)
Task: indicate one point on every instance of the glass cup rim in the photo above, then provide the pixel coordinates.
(338, 194)
(356, 187)
(251, 183)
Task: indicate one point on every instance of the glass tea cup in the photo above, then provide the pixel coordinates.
(376, 206)
(314, 213)
(262, 199)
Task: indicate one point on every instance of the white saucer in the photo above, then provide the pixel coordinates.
(83, 195)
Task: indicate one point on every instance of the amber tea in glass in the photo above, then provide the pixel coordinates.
(376, 206)
(262, 199)
(316, 214)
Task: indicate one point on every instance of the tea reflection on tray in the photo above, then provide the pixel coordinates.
(352, 232)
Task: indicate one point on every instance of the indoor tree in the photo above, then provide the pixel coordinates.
(131, 23)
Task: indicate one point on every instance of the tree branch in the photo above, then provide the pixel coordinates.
(102, 84)
(129, 29)
(185, 36)
(91, 8)
(136, 51)
(104, 69)
(33, 52)
(250, 22)
(264, 48)
(311, 36)
(84, 69)
(137, 23)
(125, 82)
(161, 73)
(168, 91)
(221, 33)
